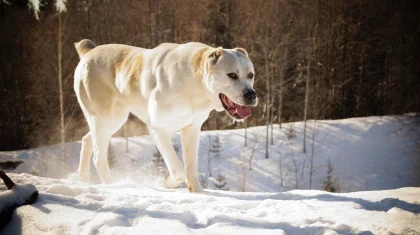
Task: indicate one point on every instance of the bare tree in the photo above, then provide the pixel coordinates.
(311, 163)
(152, 23)
(126, 136)
(302, 173)
(367, 67)
(416, 151)
(249, 153)
(281, 86)
(60, 88)
(246, 133)
(209, 155)
(305, 112)
(295, 165)
(281, 166)
(243, 173)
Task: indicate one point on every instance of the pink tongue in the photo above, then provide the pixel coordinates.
(243, 111)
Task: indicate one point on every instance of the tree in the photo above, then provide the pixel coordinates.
(281, 86)
(60, 7)
(214, 150)
(112, 156)
(330, 183)
(203, 181)
(245, 133)
(242, 173)
(125, 129)
(305, 112)
(311, 163)
(209, 155)
(249, 153)
(362, 57)
(281, 166)
(158, 162)
(295, 166)
(216, 147)
(219, 182)
(416, 150)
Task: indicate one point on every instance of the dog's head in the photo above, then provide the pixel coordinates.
(229, 78)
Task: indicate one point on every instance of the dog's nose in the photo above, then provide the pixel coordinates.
(250, 96)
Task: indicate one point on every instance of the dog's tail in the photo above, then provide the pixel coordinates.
(84, 47)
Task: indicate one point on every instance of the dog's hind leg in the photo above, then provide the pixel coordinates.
(100, 157)
(85, 156)
(175, 167)
(101, 131)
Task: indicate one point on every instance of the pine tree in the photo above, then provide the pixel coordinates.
(330, 184)
(220, 183)
(216, 147)
(158, 162)
(203, 181)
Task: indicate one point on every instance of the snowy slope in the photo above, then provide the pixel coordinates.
(371, 153)
(66, 207)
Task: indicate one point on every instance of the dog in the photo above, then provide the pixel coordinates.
(172, 87)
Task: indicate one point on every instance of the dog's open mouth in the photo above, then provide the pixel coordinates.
(236, 111)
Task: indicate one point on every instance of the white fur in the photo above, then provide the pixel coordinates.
(173, 87)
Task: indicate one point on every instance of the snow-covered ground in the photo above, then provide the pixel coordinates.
(370, 153)
(373, 153)
(66, 207)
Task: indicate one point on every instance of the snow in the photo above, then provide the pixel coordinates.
(66, 207)
(371, 153)
(372, 157)
(35, 6)
(18, 195)
(60, 5)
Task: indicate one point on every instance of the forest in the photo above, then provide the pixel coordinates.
(322, 59)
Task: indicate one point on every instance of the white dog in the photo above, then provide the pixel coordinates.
(171, 87)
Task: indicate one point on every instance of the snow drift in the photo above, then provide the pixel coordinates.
(66, 207)
(371, 153)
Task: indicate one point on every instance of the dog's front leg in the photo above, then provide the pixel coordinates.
(190, 136)
(164, 145)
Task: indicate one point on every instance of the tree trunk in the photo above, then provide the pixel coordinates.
(126, 136)
(302, 173)
(209, 156)
(311, 166)
(271, 112)
(281, 168)
(282, 74)
(267, 100)
(305, 113)
(246, 133)
(151, 22)
(60, 87)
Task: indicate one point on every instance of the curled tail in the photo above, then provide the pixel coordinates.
(84, 47)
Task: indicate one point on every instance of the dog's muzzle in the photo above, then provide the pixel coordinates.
(250, 97)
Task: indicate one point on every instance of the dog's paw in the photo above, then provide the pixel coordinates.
(76, 176)
(171, 182)
(194, 186)
(195, 189)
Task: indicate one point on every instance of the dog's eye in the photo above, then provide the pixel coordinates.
(233, 75)
(250, 75)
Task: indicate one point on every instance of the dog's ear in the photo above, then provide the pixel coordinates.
(215, 55)
(241, 50)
